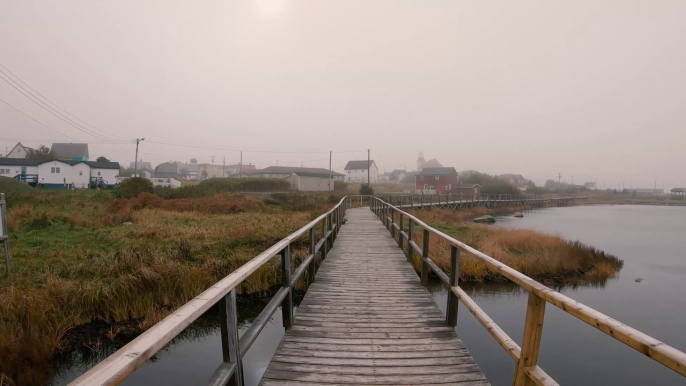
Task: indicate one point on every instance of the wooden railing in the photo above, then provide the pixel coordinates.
(423, 200)
(526, 357)
(121, 364)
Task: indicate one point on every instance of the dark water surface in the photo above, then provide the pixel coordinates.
(650, 239)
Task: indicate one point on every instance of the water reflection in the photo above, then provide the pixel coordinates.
(191, 357)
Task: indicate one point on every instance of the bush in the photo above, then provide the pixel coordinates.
(340, 185)
(366, 190)
(132, 187)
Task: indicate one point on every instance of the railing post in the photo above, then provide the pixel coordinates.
(313, 243)
(410, 233)
(425, 256)
(533, 328)
(392, 222)
(324, 246)
(400, 232)
(229, 336)
(287, 304)
(451, 309)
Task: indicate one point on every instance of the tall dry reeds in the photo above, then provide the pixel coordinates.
(544, 257)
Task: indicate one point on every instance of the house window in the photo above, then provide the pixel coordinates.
(438, 178)
(421, 178)
(446, 187)
(426, 187)
(57, 170)
(98, 173)
(431, 188)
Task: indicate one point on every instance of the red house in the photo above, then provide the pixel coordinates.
(468, 190)
(436, 181)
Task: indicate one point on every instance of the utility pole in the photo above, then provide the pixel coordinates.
(330, 171)
(135, 162)
(223, 166)
(572, 179)
(559, 177)
(369, 167)
(240, 166)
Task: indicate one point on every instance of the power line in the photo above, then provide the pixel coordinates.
(55, 104)
(31, 118)
(51, 110)
(243, 149)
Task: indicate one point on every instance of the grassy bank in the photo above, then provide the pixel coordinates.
(546, 258)
(76, 262)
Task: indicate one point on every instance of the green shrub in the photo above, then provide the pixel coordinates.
(366, 190)
(132, 187)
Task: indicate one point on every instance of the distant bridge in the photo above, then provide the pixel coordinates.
(457, 201)
(367, 318)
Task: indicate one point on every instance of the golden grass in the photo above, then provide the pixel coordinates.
(75, 263)
(544, 257)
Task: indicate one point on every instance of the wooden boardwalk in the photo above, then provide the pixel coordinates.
(366, 320)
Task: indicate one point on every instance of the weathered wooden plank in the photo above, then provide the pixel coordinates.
(377, 369)
(366, 320)
(405, 379)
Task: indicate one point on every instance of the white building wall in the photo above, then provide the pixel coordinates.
(15, 170)
(360, 175)
(17, 152)
(108, 175)
(46, 174)
(310, 184)
(78, 175)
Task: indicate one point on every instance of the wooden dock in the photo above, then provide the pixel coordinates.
(367, 320)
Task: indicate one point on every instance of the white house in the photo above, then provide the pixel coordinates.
(18, 151)
(311, 182)
(21, 168)
(356, 171)
(61, 174)
(103, 173)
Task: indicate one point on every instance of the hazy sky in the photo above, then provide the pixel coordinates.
(592, 88)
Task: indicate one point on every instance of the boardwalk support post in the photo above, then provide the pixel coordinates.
(325, 227)
(451, 309)
(533, 329)
(425, 259)
(229, 335)
(287, 304)
(392, 222)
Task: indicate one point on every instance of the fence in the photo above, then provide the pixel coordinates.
(122, 363)
(526, 356)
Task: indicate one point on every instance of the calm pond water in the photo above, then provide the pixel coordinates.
(650, 240)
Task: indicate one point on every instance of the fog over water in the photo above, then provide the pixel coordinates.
(584, 88)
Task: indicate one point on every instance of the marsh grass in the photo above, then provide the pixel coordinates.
(547, 258)
(75, 263)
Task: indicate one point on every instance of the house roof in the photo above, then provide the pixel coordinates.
(69, 150)
(19, 162)
(359, 165)
(437, 171)
(291, 170)
(102, 165)
(468, 186)
(314, 175)
(93, 164)
(678, 190)
(432, 163)
(167, 167)
(588, 184)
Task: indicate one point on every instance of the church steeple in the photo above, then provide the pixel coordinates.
(420, 161)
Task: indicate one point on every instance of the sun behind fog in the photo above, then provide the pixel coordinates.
(271, 7)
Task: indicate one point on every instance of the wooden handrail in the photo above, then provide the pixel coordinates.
(660, 352)
(122, 363)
